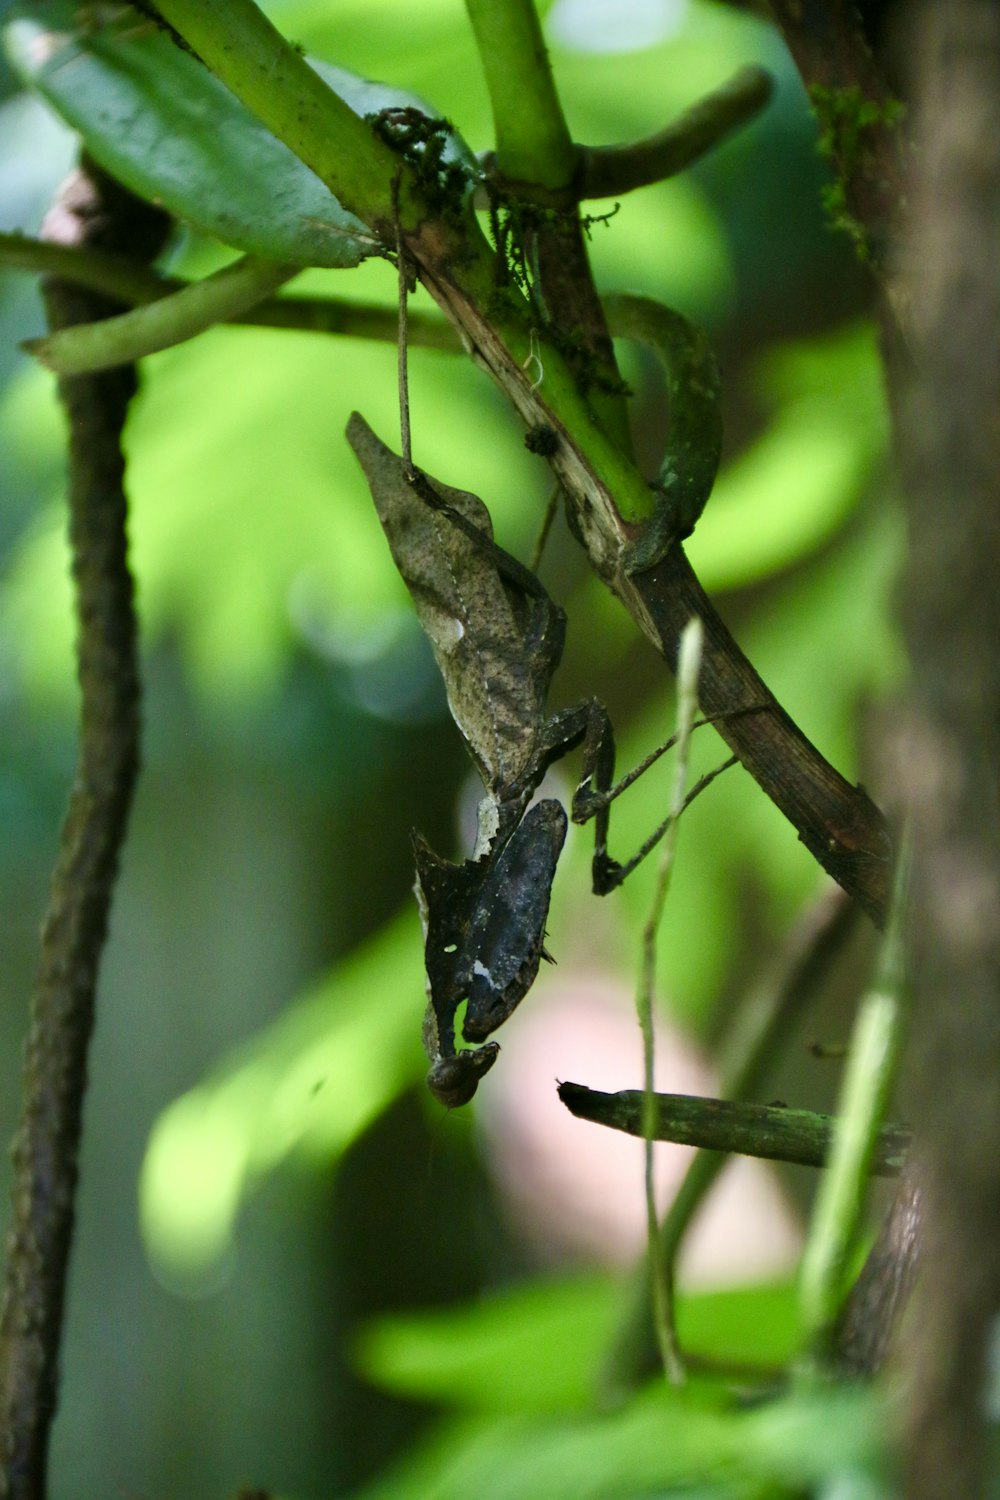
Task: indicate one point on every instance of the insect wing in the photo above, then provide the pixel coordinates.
(490, 673)
(507, 931)
(448, 896)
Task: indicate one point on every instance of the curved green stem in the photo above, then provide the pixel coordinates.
(126, 280)
(158, 325)
(610, 171)
(112, 275)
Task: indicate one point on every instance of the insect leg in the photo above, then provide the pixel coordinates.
(594, 795)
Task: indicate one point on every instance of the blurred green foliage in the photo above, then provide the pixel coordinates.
(263, 992)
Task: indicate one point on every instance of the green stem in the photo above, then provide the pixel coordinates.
(158, 325)
(535, 162)
(265, 72)
(864, 1095)
(764, 1022)
(533, 143)
(112, 275)
(768, 1131)
(128, 281)
(610, 171)
(357, 320)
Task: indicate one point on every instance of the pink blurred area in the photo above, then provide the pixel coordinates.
(574, 1189)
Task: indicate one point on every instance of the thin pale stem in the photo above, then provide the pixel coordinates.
(868, 1078)
(660, 1269)
(763, 1024)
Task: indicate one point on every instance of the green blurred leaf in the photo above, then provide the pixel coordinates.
(160, 122)
(509, 1352)
(308, 1084)
(756, 1324)
(664, 1439)
(506, 1353)
(666, 1442)
(818, 1433)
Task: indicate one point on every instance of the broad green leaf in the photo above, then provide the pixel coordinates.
(755, 1324)
(160, 122)
(661, 1440)
(507, 1353)
(666, 1442)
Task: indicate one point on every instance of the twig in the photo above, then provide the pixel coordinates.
(402, 337)
(551, 505)
(611, 171)
(108, 342)
(768, 1131)
(128, 281)
(62, 1009)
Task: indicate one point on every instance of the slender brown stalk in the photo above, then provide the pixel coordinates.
(46, 1150)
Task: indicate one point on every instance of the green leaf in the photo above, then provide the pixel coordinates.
(161, 123)
(756, 1324)
(507, 1352)
(660, 1440)
(667, 1441)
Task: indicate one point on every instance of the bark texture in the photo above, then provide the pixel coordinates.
(948, 756)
